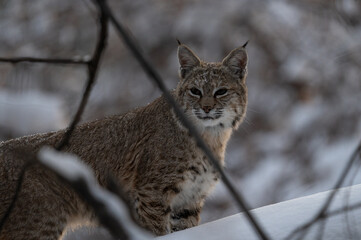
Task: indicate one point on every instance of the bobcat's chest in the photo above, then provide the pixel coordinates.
(199, 181)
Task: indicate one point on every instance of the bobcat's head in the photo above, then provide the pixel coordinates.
(213, 94)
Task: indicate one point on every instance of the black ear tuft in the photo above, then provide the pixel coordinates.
(179, 43)
(245, 45)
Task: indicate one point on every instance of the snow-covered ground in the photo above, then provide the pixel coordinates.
(281, 219)
(277, 220)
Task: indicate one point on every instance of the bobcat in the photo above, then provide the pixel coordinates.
(151, 155)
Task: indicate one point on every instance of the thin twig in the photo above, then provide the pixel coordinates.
(15, 60)
(322, 212)
(321, 229)
(346, 201)
(92, 71)
(342, 210)
(336, 212)
(192, 130)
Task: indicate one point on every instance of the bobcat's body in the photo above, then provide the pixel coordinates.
(148, 151)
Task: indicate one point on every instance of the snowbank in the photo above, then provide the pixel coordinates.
(282, 218)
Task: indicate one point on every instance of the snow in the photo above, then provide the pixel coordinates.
(286, 13)
(31, 112)
(71, 168)
(281, 219)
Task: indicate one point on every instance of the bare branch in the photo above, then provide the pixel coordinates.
(342, 210)
(76, 61)
(92, 71)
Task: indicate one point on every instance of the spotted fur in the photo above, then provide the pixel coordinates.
(150, 154)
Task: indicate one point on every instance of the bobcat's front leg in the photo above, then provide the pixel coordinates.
(153, 214)
(184, 218)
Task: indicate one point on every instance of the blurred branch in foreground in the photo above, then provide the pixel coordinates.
(112, 213)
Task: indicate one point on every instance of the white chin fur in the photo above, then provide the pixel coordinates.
(210, 122)
(226, 120)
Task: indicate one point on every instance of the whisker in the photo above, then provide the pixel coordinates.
(252, 110)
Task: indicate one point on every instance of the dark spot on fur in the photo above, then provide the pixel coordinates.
(194, 156)
(167, 210)
(185, 213)
(221, 125)
(51, 224)
(234, 122)
(194, 169)
(171, 188)
(180, 171)
(36, 220)
(143, 195)
(155, 204)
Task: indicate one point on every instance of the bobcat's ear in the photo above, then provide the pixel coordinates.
(236, 61)
(187, 60)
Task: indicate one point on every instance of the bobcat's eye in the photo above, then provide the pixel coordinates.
(195, 91)
(220, 92)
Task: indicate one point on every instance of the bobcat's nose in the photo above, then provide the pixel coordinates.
(207, 109)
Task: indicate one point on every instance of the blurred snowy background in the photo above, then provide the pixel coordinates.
(304, 80)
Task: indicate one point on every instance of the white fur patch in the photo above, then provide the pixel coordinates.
(194, 188)
(226, 119)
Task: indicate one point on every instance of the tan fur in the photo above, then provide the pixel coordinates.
(148, 151)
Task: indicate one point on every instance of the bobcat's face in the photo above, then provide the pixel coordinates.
(213, 94)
